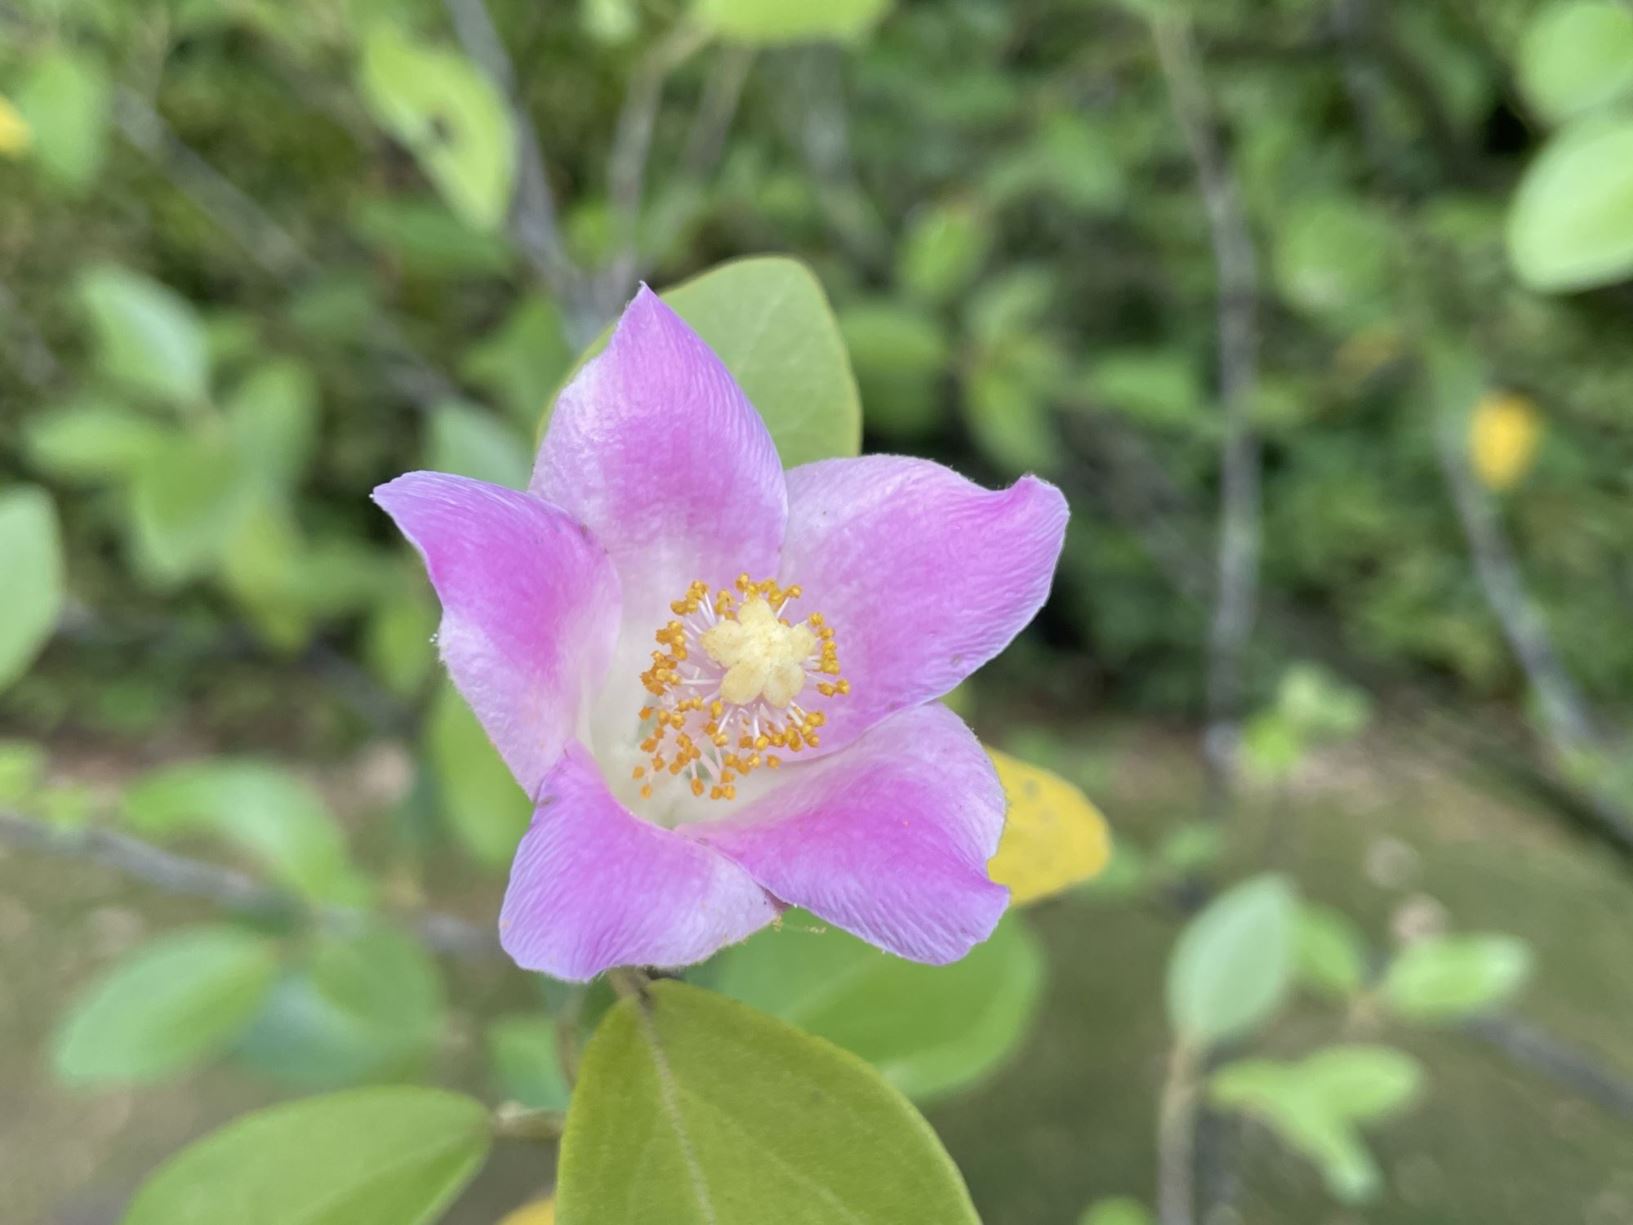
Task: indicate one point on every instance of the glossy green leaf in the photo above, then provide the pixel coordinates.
(367, 1006)
(526, 1062)
(166, 1006)
(1577, 55)
(788, 21)
(64, 97)
(1231, 968)
(471, 442)
(930, 1029)
(1331, 956)
(31, 575)
(450, 115)
(770, 323)
(386, 1156)
(691, 1108)
(277, 818)
(482, 803)
(91, 440)
(1447, 978)
(1571, 222)
(148, 337)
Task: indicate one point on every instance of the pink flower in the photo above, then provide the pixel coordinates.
(718, 680)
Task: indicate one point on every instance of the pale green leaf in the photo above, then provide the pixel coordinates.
(482, 803)
(930, 1029)
(1231, 968)
(1571, 222)
(1331, 956)
(526, 1062)
(272, 416)
(386, 1156)
(187, 499)
(148, 336)
(165, 1007)
(691, 1108)
(1577, 55)
(468, 441)
(788, 21)
(91, 440)
(31, 575)
(1445, 978)
(451, 116)
(64, 97)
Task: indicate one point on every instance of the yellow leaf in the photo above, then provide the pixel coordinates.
(1053, 837)
(540, 1212)
(1504, 431)
(15, 134)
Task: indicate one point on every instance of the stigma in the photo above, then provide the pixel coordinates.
(731, 687)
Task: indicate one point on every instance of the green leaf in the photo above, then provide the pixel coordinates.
(466, 440)
(770, 323)
(1231, 968)
(1575, 56)
(526, 1063)
(931, 1030)
(691, 1108)
(430, 239)
(32, 565)
(387, 1156)
(521, 365)
(1156, 386)
(148, 337)
(1331, 956)
(1120, 1211)
(943, 251)
(274, 816)
(362, 1007)
(1571, 223)
(483, 804)
(64, 99)
(901, 355)
(397, 642)
(1447, 978)
(453, 119)
(1335, 258)
(788, 21)
(1362, 1082)
(170, 1004)
(22, 771)
(91, 440)
(272, 417)
(186, 502)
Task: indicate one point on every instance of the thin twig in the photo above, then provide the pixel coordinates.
(533, 220)
(1240, 528)
(1176, 1141)
(632, 149)
(1566, 1066)
(228, 887)
(722, 93)
(515, 1122)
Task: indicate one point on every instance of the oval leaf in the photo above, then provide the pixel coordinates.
(389, 1156)
(770, 323)
(31, 561)
(168, 1005)
(929, 1029)
(1576, 56)
(1054, 837)
(147, 335)
(1571, 223)
(692, 1108)
(1231, 967)
(1450, 977)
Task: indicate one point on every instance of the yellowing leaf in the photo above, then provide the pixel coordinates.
(540, 1212)
(15, 134)
(1504, 430)
(1053, 838)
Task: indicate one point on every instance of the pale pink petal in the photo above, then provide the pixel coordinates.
(888, 839)
(655, 447)
(593, 887)
(923, 575)
(530, 608)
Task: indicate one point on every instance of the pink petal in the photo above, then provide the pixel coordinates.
(529, 608)
(659, 452)
(593, 887)
(923, 575)
(888, 839)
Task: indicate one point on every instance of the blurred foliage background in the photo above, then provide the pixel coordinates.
(1317, 310)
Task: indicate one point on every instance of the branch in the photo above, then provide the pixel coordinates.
(631, 150)
(1240, 529)
(1176, 1141)
(722, 93)
(533, 211)
(1571, 1069)
(228, 887)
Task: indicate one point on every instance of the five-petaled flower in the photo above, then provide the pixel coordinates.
(717, 680)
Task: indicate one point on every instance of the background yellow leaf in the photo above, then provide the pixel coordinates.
(540, 1212)
(1504, 431)
(1053, 837)
(15, 134)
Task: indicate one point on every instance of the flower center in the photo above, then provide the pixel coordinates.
(726, 687)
